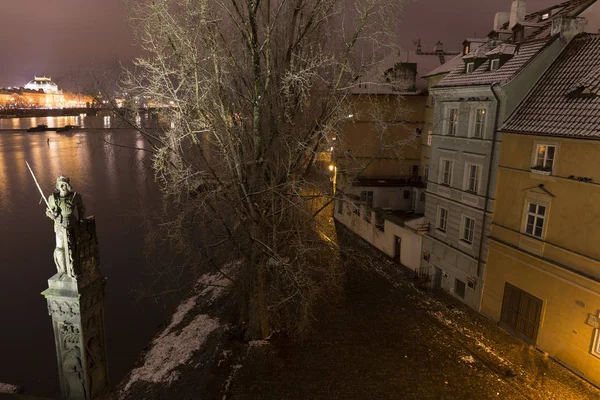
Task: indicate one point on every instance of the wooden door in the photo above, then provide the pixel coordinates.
(521, 313)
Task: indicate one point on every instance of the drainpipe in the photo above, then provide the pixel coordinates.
(487, 190)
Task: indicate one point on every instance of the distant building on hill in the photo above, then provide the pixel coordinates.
(42, 83)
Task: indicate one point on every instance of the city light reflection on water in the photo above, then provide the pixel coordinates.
(115, 182)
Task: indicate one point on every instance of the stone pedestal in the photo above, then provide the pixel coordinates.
(76, 308)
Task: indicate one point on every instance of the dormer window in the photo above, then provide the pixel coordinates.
(545, 16)
(466, 49)
(494, 64)
(470, 67)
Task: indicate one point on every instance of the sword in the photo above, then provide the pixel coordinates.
(38, 185)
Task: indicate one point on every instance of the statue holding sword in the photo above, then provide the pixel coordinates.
(65, 207)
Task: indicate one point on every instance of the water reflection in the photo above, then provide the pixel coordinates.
(115, 184)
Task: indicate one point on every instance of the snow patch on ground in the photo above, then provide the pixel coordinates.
(172, 350)
(7, 388)
(258, 343)
(468, 359)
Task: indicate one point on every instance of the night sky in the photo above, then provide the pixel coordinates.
(65, 38)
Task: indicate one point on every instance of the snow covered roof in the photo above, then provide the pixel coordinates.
(523, 53)
(503, 49)
(540, 22)
(445, 68)
(566, 100)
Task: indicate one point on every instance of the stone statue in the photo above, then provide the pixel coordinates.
(66, 208)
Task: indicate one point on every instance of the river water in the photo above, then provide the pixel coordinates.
(117, 187)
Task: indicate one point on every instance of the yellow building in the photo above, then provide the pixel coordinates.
(543, 276)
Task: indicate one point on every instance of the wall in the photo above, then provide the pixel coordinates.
(410, 250)
(381, 121)
(567, 298)
(568, 227)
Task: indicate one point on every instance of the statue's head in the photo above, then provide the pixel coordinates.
(63, 185)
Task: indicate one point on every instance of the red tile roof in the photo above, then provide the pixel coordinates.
(566, 100)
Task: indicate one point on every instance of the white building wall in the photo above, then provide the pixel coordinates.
(410, 246)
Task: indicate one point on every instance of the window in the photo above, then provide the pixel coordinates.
(494, 64)
(447, 166)
(536, 215)
(452, 121)
(544, 157)
(470, 67)
(442, 219)
(545, 16)
(468, 228)
(479, 122)
(459, 288)
(472, 175)
(367, 197)
(467, 48)
(429, 138)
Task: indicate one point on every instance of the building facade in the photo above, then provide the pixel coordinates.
(471, 102)
(377, 157)
(543, 273)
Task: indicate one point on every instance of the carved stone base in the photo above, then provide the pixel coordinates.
(78, 322)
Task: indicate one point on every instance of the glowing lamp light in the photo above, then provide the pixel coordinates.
(331, 167)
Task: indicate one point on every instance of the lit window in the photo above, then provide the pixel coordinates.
(447, 166)
(467, 48)
(536, 215)
(544, 157)
(429, 138)
(545, 16)
(442, 219)
(453, 122)
(473, 172)
(494, 64)
(468, 228)
(470, 67)
(479, 122)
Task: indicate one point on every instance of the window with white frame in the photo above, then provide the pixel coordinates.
(470, 67)
(447, 166)
(536, 217)
(442, 219)
(480, 115)
(494, 64)
(429, 138)
(452, 121)
(544, 157)
(468, 229)
(472, 176)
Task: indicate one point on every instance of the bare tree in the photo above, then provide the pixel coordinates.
(250, 90)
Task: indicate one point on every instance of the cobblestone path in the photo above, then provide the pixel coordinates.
(386, 339)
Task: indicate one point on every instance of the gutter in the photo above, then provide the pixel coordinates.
(487, 190)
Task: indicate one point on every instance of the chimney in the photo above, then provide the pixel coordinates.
(568, 27)
(518, 11)
(500, 19)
